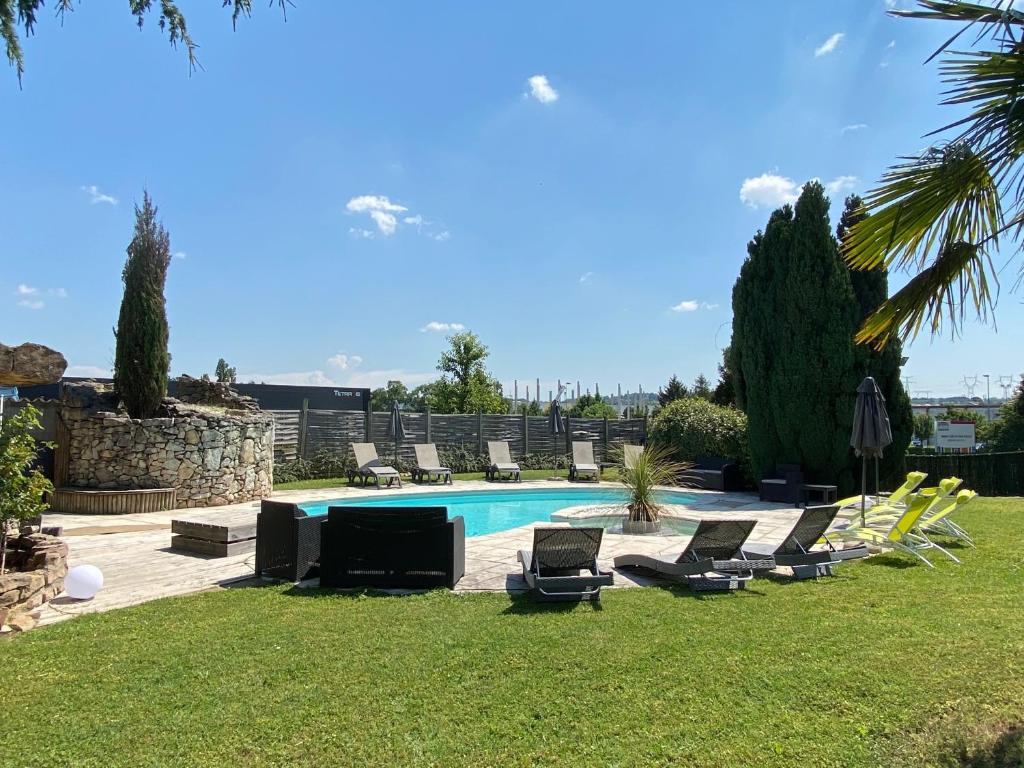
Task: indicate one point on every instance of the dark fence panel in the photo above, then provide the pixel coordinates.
(990, 474)
(305, 433)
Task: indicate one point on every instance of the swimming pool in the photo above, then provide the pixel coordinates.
(498, 510)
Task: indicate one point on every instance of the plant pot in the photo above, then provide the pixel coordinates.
(640, 527)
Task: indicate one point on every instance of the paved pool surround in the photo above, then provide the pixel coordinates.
(138, 564)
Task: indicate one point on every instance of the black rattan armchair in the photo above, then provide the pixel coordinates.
(287, 541)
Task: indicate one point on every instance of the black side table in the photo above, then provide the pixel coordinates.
(821, 494)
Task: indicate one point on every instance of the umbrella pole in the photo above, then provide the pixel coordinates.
(863, 488)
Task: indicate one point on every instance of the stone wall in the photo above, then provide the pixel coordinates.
(209, 455)
(38, 564)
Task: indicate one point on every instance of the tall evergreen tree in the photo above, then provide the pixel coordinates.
(871, 287)
(225, 373)
(141, 359)
(725, 391)
(701, 387)
(674, 390)
(791, 353)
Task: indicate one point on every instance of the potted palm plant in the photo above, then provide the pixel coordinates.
(642, 471)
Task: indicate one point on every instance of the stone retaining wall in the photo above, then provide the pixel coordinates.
(208, 458)
(37, 566)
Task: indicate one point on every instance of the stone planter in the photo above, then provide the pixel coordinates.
(640, 527)
(37, 565)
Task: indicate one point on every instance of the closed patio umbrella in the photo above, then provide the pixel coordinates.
(871, 433)
(555, 423)
(395, 427)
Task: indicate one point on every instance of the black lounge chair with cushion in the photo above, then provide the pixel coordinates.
(396, 547)
(784, 486)
(552, 568)
(712, 474)
(368, 466)
(712, 560)
(287, 541)
(797, 550)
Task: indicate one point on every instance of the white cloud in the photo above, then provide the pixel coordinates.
(692, 305)
(379, 378)
(416, 220)
(586, 276)
(300, 378)
(852, 127)
(891, 45)
(60, 293)
(829, 45)
(88, 371)
(768, 190)
(26, 290)
(31, 304)
(435, 327)
(840, 184)
(97, 196)
(380, 209)
(541, 89)
(344, 362)
(689, 305)
(365, 234)
(442, 236)
(179, 255)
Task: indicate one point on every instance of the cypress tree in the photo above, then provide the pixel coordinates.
(791, 355)
(871, 287)
(141, 359)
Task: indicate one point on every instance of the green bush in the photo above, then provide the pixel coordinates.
(693, 427)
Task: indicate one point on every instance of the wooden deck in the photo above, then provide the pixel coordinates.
(94, 501)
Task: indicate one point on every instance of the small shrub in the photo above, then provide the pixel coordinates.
(693, 427)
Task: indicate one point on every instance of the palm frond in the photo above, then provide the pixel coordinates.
(956, 277)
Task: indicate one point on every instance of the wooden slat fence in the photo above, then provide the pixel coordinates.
(305, 433)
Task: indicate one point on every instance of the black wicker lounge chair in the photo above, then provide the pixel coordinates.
(368, 466)
(428, 465)
(501, 462)
(712, 560)
(552, 568)
(413, 547)
(583, 463)
(797, 550)
(712, 474)
(287, 541)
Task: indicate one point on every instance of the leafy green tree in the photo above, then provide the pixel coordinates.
(382, 397)
(225, 373)
(725, 391)
(1007, 432)
(465, 385)
(674, 390)
(701, 387)
(141, 359)
(924, 427)
(791, 357)
(21, 488)
(946, 211)
(15, 13)
(871, 289)
(591, 407)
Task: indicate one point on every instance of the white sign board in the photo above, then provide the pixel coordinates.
(954, 434)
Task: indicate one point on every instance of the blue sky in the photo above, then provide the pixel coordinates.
(575, 182)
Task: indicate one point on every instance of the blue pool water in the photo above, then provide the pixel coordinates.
(498, 510)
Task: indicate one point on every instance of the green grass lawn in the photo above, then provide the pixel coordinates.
(889, 663)
(527, 474)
